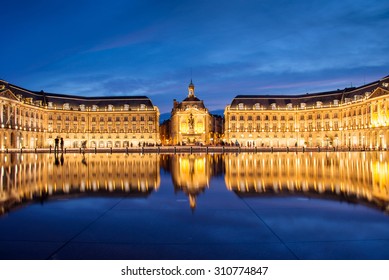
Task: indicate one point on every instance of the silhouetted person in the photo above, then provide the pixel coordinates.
(83, 145)
(61, 144)
(56, 141)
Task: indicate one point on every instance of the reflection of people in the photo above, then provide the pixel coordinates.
(56, 159)
(84, 160)
(62, 159)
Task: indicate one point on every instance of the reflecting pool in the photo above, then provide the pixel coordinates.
(195, 206)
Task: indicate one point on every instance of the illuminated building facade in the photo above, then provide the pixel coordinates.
(32, 119)
(353, 117)
(190, 121)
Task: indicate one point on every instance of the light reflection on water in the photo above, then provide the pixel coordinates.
(358, 177)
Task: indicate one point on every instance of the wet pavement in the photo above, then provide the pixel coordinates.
(183, 219)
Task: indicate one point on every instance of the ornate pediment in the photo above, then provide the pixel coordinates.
(8, 94)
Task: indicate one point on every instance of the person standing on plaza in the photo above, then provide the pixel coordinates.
(61, 144)
(56, 141)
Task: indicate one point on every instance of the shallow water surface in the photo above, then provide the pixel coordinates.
(195, 206)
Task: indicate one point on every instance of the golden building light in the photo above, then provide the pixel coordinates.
(353, 117)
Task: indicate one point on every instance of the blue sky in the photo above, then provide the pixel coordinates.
(98, 48)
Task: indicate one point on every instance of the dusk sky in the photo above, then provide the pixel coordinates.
(154, 48)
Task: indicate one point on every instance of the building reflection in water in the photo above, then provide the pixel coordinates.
(191, 173)
(352, 176)
(37, 176)
(358, 177)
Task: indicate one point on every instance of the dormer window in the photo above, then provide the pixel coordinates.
(347, 100)
(303, 105)
(273, 106)
(126, 107)
(66, 106)
(336, 102)
(289, 106)
(50, 105)
(142, 106)
(240, 106)
(385, 85)
(95, 107)
(82, 107)
(319, 104)
(110, 107)
(257, 106)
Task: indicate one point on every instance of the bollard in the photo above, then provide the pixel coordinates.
(95, 150)
(111, 150)
(126, 150)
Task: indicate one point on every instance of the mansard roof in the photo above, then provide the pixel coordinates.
(75, 101)
(311, 99)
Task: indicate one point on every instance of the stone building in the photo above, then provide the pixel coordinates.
(31, 119)
(190, 121)
(353, 117)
